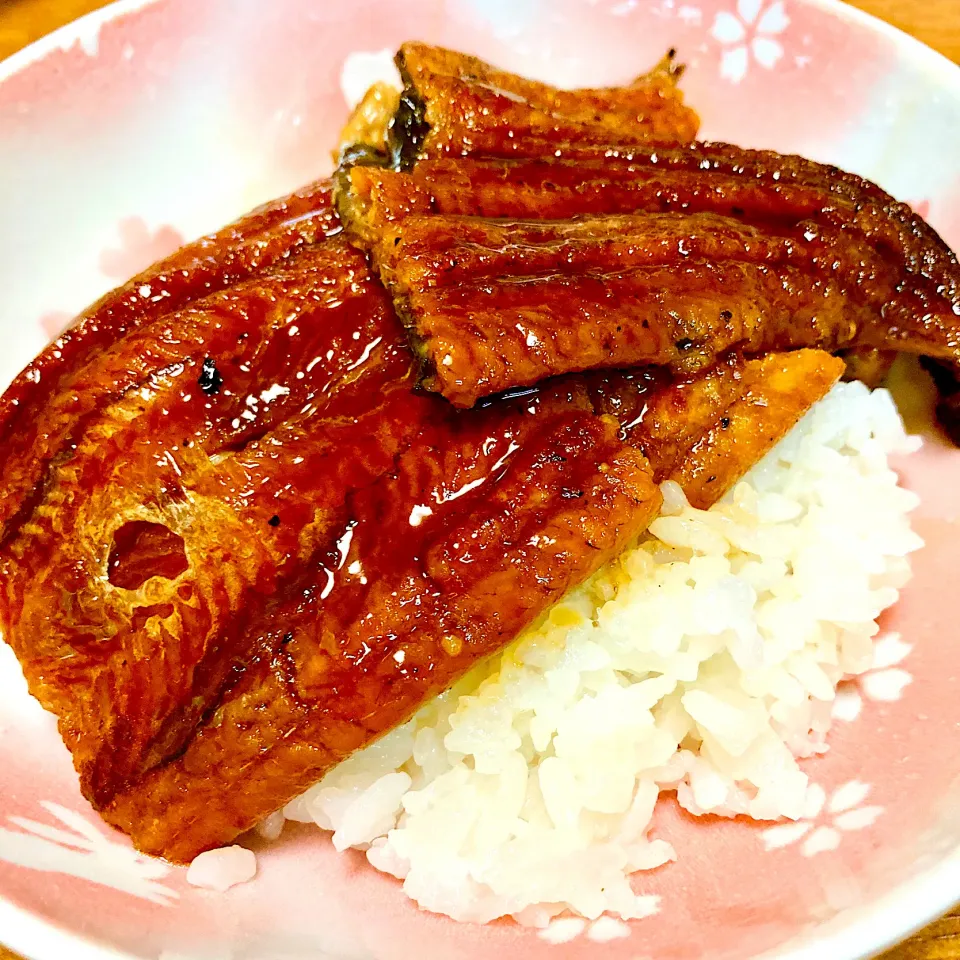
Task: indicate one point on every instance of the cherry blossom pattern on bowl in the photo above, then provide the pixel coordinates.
(149, 122)
(825, 819)
(884, 682)
(749, 35)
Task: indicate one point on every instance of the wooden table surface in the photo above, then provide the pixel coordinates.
(935, 22)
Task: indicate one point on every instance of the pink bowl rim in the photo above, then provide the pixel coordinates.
(891, 918)
(64, 37)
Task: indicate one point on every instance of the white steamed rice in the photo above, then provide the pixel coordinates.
(703, 661)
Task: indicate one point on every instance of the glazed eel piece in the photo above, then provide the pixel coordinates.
(453, 104)
(506, 272)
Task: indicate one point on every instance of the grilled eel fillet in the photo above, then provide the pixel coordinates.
(506, 272)
(239, 543)
(453, 105)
